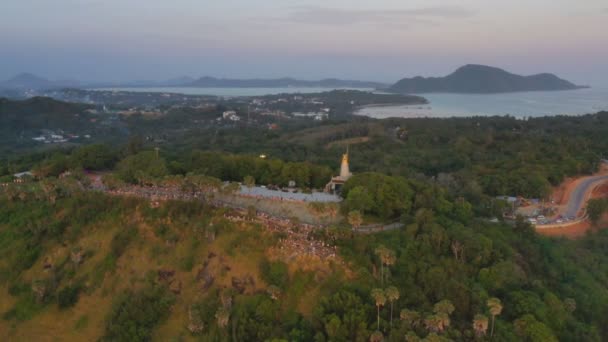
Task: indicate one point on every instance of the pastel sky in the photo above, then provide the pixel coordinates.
(380, 40)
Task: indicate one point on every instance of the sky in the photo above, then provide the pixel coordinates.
(380, 40)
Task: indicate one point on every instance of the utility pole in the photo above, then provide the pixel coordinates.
(248, 112)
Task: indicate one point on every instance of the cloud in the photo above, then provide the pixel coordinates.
(337, 16)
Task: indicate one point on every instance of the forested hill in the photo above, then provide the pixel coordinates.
(97, 267)
(20, 121)
(481, 79)
(29, 116)
(38, 108)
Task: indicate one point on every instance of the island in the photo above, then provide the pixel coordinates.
(481, 79)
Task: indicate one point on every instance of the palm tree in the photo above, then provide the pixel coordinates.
(390, 258)
(223, 316)
(387, 257)
(443, 310)
(376, 336)
(380, 299)
(381, 252)
(495, 306)
(412, 337)
(480, 325)
(392, 294)
(444, 306)
(434, 323)
(411, 317)
(355, 219)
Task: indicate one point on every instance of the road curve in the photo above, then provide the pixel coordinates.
(578, 196)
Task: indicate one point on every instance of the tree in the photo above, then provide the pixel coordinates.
(480, 325)
(570, 304)
(389, 258)
(412, 337)
(441, 319)
(249, 182)
(390, 196)
(142, 168)
(380, 300)
(381, 251)
(355, 219)
(445, 306)
(392, 294)
(94, 157)
(274, 292)
(495, 307)
(222, 316)
(231, 188)
(376, 336)
(529, 328)
(412, 318)
(596, 208)
(359, 199)
(433, 323)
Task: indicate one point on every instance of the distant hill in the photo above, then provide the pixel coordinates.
(30, 81)
(27, 81)
(212, 82)
(39, 113)
(481, 79)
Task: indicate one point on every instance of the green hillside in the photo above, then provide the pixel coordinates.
(79, 265)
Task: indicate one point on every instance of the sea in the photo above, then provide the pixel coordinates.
(521, 105)
(227, 92)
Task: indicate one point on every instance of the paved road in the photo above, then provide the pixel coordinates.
(577, 197)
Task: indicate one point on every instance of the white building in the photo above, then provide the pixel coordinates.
(230, 115)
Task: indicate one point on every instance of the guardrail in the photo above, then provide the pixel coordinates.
(561, 225)
(574, 222)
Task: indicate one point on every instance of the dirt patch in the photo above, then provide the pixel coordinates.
(600, 191)
(562, 192)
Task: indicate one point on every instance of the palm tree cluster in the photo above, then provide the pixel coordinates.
(440, 319)
(387, 258)
(480, 321)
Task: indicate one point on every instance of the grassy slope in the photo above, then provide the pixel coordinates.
(240, 246)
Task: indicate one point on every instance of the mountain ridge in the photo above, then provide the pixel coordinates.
(30, 81)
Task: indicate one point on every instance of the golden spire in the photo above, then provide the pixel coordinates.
(344, 169)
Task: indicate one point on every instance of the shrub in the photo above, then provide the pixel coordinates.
(134, 315)
(274, 272)
(68, 296)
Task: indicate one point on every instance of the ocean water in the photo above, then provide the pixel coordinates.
(228, 92)
(525, 104)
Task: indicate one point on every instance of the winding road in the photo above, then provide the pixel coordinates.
(579, 195)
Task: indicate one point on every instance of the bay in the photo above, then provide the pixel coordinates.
(524, 104)
(227, 92)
